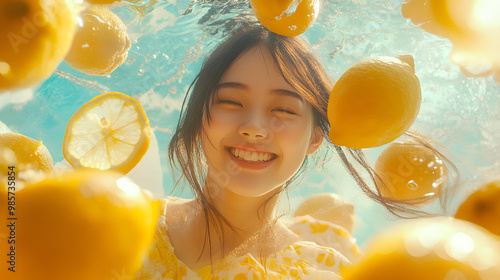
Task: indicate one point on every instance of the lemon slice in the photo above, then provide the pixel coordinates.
(111, 131)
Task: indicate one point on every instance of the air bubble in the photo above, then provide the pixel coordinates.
(412, 185)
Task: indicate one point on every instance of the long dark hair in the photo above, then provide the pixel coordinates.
(302, 71)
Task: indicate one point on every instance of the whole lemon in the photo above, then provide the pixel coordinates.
(101, 42)
(81, 225)
(24, 153)
(429, 248)
(446, 18)
(472, 27)
(411, 173)
(286, 17)
(374, 102)
(483, 207)
(35, 37)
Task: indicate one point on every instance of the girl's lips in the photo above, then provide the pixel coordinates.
(250, 165)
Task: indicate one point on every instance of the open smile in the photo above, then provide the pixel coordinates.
(251, 156)
(251, 159)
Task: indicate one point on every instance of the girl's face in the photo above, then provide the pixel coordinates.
(260, 129)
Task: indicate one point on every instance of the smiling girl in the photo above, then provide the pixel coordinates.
(255, 116)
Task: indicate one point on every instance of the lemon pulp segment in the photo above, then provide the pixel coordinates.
(110, 131)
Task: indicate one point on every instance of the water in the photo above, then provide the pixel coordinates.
(171, 38)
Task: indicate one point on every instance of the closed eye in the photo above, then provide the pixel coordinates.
(222, 101)
(285, 111)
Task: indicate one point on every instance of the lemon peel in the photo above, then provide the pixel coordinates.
(472, 27)
(411, 173)
(482, 207)
(374, 102)
(429, 248)
(36, 35)
(24, 153)
(287, 18)
(91, 237)
(101, 43)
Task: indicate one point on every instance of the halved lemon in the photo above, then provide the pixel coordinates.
(110, 132)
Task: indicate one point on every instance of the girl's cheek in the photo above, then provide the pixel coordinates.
(287, 126)
(294, 132)
(225, 117)
(279, 125)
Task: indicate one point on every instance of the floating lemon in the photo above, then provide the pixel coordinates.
(286, 17)
(35, 37)
(410, 172)
(374, 102)
(483, 207)
(472, 26)
(432, 249)
(328, 207)
(111, 131)
(101, 43)
(92, 224)
(24, 153)
(447, 18)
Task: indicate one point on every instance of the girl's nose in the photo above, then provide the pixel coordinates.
(254, 129)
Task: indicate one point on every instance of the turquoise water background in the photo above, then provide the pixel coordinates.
(171, 38)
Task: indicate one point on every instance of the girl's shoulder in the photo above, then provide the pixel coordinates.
(172, 206)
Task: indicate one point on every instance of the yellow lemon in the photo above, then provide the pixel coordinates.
(101, 42)
(447, 18)
(286, 17)
(328, 207)
(81, 225)
(432, 249)
(471, 25)
(374, 102)
(35, 37)
(483, 207)
(410, 172)
(23, 153)
(111, 131)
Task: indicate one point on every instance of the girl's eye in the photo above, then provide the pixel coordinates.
(222, 101)
(285, 111)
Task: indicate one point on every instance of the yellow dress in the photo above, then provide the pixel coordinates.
(300, 260)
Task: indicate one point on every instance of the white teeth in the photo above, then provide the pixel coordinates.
(250, 156)
(255, 157)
